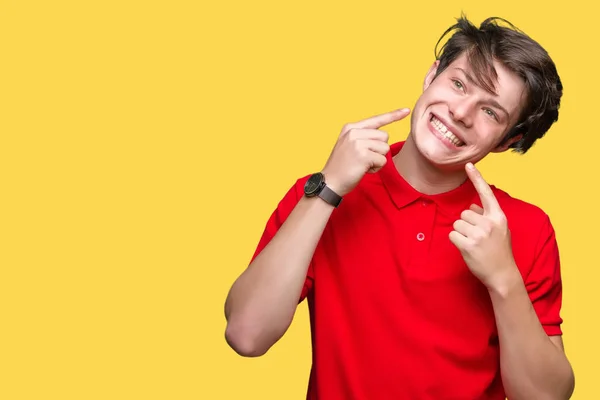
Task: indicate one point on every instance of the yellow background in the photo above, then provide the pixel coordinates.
(144, 145)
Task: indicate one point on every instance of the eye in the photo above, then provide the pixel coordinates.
(491, 113)
(458, 84)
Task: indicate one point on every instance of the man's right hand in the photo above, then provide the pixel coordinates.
(262, 302)
(360, 148)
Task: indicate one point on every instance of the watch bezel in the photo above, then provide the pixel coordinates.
(318, 181)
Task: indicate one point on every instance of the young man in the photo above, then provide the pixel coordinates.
(424, 282)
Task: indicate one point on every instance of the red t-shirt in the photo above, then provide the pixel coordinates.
(395, 312)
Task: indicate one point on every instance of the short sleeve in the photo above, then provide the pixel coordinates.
(544, 283)
(276, 220)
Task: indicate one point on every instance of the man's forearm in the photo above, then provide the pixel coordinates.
(262, 301)
(532, 366)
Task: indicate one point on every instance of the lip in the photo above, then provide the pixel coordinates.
(449, 126)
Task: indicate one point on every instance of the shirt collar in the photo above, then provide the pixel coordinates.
(403, 194)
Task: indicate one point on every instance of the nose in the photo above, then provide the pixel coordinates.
(461, 110)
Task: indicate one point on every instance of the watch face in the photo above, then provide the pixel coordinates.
(313, 184)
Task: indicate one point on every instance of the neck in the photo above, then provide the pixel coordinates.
(421, 174)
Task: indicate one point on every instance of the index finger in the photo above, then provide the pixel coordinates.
(488, 200)
(378, 121)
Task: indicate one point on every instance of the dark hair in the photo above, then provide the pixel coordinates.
(519, 53)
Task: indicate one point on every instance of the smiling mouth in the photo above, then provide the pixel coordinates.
(445, 132)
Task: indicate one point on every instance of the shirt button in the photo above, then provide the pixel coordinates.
(425, 203)
(420, 236)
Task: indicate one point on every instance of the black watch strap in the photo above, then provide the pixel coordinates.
(330, 196)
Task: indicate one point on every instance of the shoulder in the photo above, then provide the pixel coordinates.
(534, 240)
(292, 195)
(519, 210)
(530, 225)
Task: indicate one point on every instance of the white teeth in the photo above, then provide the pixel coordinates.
(445, 132)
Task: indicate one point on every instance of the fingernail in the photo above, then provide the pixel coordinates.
(470, 166)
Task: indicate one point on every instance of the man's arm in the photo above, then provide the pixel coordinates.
(262, 302)
(533, 365)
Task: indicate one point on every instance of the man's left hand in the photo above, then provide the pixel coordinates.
(483, 237)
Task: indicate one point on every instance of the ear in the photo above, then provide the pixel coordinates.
(430, 74)
(505, 145)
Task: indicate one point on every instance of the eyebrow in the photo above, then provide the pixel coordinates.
(492, 101)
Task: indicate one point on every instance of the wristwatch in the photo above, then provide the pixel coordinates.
(316, 186)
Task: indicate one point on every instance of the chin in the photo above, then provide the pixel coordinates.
(438, 151)
(440, 157)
